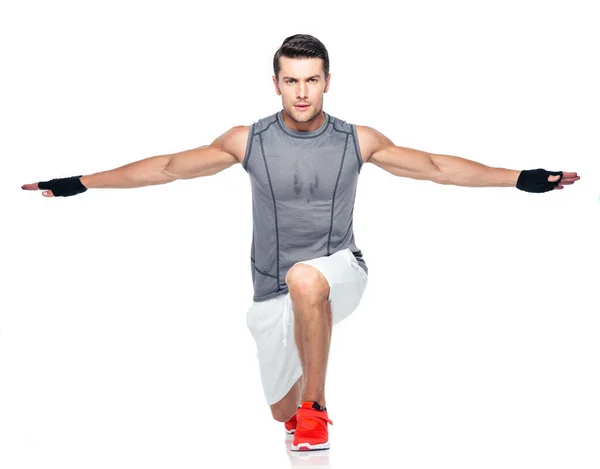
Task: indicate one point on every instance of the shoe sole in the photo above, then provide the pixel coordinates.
(309, 447)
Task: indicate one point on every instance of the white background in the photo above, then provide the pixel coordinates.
(123, 340)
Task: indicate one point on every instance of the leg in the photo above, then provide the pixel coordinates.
(309, 292)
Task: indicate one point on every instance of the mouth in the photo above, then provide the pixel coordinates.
(301, 106)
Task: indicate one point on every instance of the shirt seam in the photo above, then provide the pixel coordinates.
(248, 148)
(334, 193)
(329, 121)
(274, 202)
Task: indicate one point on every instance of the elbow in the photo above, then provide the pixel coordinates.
(166, 177)
(440, 178)
(436, 173)
(166, 172)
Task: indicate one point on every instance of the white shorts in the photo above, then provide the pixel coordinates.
(271, 322)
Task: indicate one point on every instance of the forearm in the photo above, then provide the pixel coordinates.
(146, 172)
(462, 172)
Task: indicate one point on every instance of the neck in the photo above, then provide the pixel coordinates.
(309, 126)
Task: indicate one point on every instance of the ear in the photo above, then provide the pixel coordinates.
(277, 90)
(327, 83)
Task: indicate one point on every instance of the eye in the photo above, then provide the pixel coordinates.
(291, 80)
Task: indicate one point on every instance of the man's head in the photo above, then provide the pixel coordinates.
(301, 67)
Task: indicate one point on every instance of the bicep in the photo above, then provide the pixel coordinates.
(399, 161)
(207, 160)
(405, 162)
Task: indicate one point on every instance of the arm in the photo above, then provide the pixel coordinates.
(205, 160)
(441, 169)
(227, 150)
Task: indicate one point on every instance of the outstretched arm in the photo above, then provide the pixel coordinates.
(378, 149)
(205, 160)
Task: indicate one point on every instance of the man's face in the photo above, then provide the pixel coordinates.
(301, 81)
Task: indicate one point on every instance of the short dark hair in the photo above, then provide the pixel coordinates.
(301, 46)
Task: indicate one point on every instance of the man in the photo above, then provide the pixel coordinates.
(303, 165)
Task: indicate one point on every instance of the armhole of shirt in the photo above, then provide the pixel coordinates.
(248, 147)
(356, 146)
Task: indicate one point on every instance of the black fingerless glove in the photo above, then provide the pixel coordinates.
(536, 180)
(64, 187)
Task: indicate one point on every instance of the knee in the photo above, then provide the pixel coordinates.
(281, 414)
(305, 281)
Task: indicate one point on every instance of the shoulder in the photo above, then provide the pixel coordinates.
(264, 123)
(370, 140)
(340, 124)
(233, 141)
(236, 140)
(369, 134)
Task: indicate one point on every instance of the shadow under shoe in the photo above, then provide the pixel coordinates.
(307, 459)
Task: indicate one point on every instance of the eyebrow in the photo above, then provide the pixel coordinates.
(294, 78)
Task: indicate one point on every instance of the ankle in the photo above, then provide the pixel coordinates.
(313, 397)
(315, 404)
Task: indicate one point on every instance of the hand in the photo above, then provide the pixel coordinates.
(59, 187)
(568, 178)
(34, 187)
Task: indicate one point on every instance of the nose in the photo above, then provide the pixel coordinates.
(301, 92)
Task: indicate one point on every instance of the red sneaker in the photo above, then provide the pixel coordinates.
(290, 425)
(311, 430)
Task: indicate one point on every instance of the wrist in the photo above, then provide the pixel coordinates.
(502, 177)
(86, 181)
(513, 177)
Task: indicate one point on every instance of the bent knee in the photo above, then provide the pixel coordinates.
(282, 414)
(304, 279)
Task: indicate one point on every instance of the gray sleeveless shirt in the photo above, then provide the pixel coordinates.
(303, 192)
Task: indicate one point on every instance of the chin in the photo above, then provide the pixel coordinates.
(302, 116)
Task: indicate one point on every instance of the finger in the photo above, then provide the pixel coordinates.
(570, 175)
(30, 187)
(558, 187)
(47, 194)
